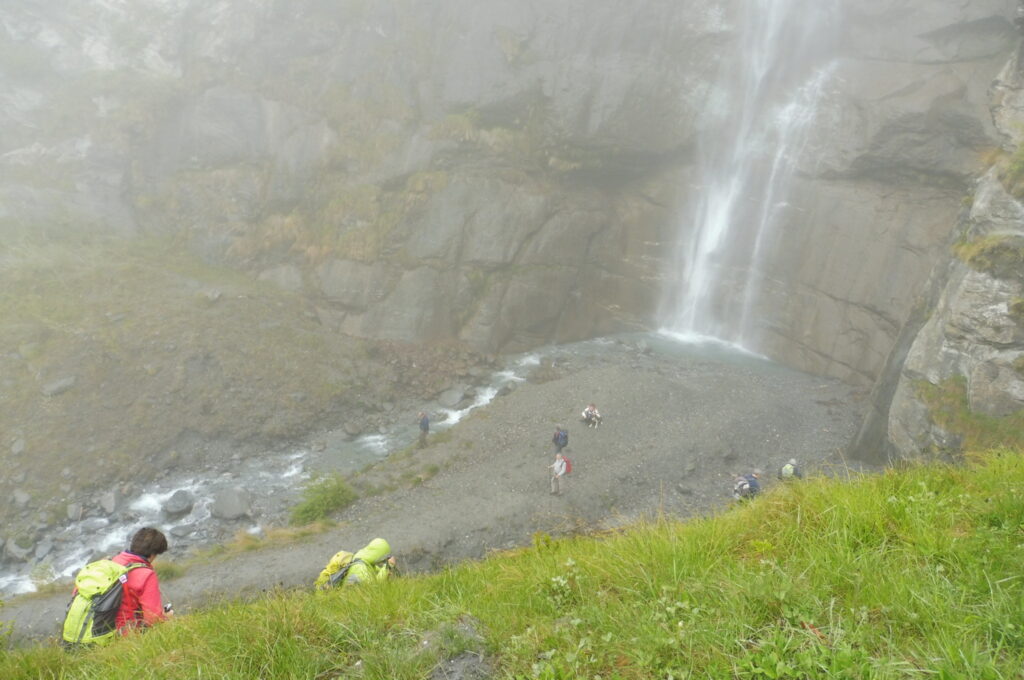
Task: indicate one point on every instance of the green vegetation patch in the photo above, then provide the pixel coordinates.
(1017, 310)
(322, 498)
(1001, 256)
(1011, 173)
(949, 408)
(911, 573)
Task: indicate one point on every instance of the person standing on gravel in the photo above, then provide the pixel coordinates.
(424, 428)
(560, 439)
(557, 474)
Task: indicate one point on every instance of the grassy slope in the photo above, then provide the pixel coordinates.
(913, 573)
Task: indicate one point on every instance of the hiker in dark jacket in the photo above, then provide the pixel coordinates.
(560, 439)
(746, 486)
(424, 428)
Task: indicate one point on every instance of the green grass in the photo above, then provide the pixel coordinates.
(1012, 172)
(321, 499)
(908, 574)
(1017, 310)
(1001, 256)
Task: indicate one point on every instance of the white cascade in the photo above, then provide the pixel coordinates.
(753, 133)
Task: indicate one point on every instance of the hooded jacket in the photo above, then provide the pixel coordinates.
(370, 563)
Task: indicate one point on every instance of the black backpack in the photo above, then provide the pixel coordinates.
(563, 437)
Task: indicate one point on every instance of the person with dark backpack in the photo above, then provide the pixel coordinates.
(746, 486)
(114, 596)
(560, 439)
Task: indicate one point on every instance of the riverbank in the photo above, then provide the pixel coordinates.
(677, 428)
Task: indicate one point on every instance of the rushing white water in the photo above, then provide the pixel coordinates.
(751, 139)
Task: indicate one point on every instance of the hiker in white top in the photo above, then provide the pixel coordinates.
(557, 474)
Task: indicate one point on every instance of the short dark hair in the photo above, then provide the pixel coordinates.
(148, 542)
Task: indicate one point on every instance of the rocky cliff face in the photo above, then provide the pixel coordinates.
(503, 173)
(967, 362)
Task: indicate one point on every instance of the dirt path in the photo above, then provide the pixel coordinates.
(675, 433)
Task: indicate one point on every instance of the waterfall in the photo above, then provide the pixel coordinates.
(753, 131)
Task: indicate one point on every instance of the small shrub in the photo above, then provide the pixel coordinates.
(42, 574)
(322, 498)
(1017, 311)
(563, 589)
(1012, 174)
(168, 570)
(999, 256)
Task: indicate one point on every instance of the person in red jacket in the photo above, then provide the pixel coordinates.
(142, 605)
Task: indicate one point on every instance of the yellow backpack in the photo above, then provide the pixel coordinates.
(333, 575)
(99, 590)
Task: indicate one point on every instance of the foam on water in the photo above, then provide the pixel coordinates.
(692, 338)
(484, 396)
(378, 443)
(100, 536)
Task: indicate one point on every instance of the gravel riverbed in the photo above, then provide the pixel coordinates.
(679, 424)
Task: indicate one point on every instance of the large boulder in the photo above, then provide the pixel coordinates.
(19, 549)
(111, 501)
(180, 503)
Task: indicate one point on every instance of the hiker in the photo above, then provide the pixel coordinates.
(590, 416)
(373, 563)
(558, 469)
(424, 428)
(790, 471)
(141, 604)
(560, 438)
(746, 486)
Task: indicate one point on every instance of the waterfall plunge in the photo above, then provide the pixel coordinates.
(753, 132)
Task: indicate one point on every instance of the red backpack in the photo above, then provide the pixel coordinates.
(568, 465)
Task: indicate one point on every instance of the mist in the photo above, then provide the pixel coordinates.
(244, 242)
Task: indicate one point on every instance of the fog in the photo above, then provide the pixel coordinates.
(240, 235)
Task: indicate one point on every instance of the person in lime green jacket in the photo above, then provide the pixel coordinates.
(373, 563)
